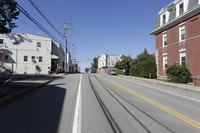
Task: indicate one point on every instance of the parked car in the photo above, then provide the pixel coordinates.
(112, 72)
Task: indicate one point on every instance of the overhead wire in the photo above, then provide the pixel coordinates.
(28, 24)
(36, 23)
(40, 12)
(52, 9)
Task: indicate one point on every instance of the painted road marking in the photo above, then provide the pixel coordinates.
(77, 115)
(162, 107)
(169, 92)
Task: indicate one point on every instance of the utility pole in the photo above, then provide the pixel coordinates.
(65, 43)
(73, 52)
(73, 55)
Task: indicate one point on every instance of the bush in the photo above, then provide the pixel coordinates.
(179, 74)
(146, 69)
(120, 71)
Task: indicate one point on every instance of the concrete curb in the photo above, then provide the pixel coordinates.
(181, 86)
(12, 97)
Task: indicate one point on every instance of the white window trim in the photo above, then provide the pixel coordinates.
(166, 17)
(180, 29)
(163, 36)
(164, 58)
(182, 54)
(178, 7)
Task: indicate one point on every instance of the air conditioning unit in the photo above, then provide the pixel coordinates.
(34, 61)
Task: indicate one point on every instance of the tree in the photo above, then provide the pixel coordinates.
(95, 63)
(8, 12)
(124, 63)
(87, 70)
(75, 66)
(144, 66)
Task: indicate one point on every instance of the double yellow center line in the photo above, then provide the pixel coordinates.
(162, 107)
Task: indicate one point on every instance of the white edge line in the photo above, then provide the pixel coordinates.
(169, 92)
(77, 115)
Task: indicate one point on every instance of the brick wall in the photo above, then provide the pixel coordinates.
(192, 46)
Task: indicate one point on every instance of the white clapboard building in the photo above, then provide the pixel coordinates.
(31, 54)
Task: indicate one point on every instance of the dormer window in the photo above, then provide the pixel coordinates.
(164, 18)
(181, 9)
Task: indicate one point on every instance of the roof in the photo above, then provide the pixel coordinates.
(25, 37)
(193, 9)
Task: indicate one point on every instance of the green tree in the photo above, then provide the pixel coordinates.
(95, 63)
(75, 66)
(124, 63)
(87, 70)
(8, 12)
(144, 66)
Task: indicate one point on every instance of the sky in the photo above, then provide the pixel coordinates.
(119, 27)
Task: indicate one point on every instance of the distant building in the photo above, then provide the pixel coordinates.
(107, 62)
(177, 34)
(30, 54)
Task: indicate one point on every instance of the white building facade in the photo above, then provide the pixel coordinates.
(30, 54)
(107, 62)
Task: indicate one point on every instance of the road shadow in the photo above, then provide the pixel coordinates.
(36, 112)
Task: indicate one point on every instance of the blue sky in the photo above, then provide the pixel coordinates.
(99, 26)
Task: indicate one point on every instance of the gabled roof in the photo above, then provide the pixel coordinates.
(193, 9)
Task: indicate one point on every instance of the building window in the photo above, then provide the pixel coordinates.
(33, 57)
(164, 37)
(181, 9)
(164, 19)
(40, 58)
(182, 58)
(182, 33)
(1, 41)
(39, 44)
(165, 62)
(6, 58)
(25, 58)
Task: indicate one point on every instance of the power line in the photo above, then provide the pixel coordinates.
(40, 12)
(28, 24)
(36, 23)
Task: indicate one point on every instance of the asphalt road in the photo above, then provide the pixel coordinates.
(94, 103)
(116, 104)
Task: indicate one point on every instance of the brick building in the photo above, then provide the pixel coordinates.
(177, 34)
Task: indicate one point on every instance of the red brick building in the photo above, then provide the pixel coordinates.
(177, 34)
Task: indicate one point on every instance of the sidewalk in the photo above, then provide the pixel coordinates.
(12, 89)
(182, 86)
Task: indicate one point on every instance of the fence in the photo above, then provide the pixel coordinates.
(196, 80)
